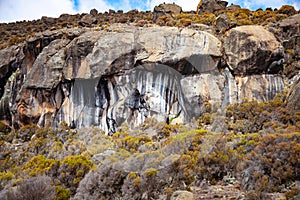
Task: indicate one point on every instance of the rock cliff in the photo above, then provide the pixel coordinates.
(126, 73)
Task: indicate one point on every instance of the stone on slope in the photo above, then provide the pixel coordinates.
(182, 195)
(252, 50)
(169, 10)
(293, 100)
(211, 6)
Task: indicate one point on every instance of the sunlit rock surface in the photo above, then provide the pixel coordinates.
(125, 74)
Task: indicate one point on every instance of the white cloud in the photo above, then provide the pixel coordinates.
(18, 10)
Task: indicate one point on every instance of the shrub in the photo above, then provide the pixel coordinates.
(39, 165)
(131, 186)
(103, 183)
(287, 9)
(130, 143)
(31, 189)
(15, 40)
(206, 18)
(26, 132)
(149, 183)
(62, 193)
(185, 22)
(5, 177)
(251, 116)
(73, 169)
(274, 162)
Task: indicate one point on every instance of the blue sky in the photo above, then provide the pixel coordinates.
(17, 10)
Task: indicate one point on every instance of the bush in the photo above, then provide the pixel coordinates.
(131, 186)
(62, 193)
(103, 183)
(275, 162)
(130, 143)
(268, 117)
(39, 165)
(288, 10)
(73, 169)
(35, 188)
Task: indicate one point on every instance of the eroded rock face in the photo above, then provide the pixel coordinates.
(90, 80)
(125, 74)
(260, 87)
(10, 59)
(252, 50)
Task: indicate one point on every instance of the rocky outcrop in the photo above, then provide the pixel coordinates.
(211, 6)
(169, 10)
(288, 31)
(126, 74)
(252, 50)
(88, 20)
(89, 80)
(289, 26)
(223, 23)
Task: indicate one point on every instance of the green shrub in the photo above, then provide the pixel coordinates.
(73, 169)
(130, 143)
(39, 165)
(62, 193)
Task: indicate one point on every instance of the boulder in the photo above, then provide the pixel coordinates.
(48, 20)
(223, 23)
(94, 12)
(211, 6)
(293, 100)
(182, 195)
(168, 10)
(252, 50)
(88, 20)
(288, 31)
(233, 7)
(289, 26)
